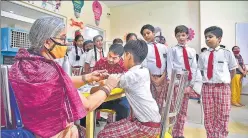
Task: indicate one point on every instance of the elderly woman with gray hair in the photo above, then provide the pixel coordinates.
(46, 95)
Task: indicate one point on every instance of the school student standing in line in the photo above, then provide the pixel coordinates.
(182, 57)
(76, 52)
(95, 54)
(87, 46)
(131, 36)
(156, 63)
(117, 41)
(197, 57)
(218, 67)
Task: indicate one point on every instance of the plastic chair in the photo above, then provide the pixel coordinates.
(173, 101)
(5, 97)
(77, 70)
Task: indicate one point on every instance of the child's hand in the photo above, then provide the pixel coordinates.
(112, 81)
(188, 90)
(98, 75)
(161, 80)
(102, 82)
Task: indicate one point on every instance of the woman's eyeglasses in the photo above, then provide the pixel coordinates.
(63, 38)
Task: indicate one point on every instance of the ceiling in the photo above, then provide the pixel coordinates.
(120, 3)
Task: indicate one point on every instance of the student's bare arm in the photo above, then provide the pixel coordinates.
(97, 98)
(95, 89)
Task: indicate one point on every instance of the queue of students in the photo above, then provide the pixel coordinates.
(143, 68)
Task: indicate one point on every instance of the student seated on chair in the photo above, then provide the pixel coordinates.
(113, 63)
(144, 120)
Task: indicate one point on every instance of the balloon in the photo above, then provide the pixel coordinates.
(77, 6)
(191, 34)
(97, 9)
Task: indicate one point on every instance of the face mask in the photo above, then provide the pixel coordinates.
(236, 52)
(58, 50)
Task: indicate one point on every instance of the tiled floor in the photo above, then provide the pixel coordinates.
(238, 126)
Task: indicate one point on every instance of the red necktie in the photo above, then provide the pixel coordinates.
(100, 52)
(186, 62)
(158, 60)
(210, 65)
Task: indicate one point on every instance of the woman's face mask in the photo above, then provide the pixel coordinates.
(236, 52)
(57, 50)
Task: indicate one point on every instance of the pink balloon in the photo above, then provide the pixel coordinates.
(191, 34)
(97, 9)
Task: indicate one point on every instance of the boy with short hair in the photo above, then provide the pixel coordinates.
(156, 63)
(218, 66)
(114, 64)
(182, 57)
(203, 49)
(117, 41)
(145, 119)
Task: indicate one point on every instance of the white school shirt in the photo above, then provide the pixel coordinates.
(72, 56)
(136, 82)
(150, 60)
(175, 61)
(83, 57)
(90, 58)
(223, 62)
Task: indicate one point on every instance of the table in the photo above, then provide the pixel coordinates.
(115, 94)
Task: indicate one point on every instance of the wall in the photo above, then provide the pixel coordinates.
(7, 22)
(165, 14)
(87, 16)
(223, 14)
